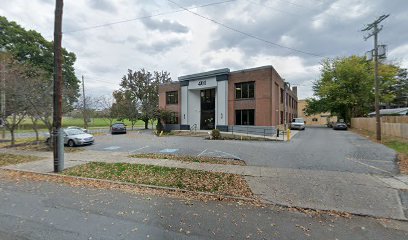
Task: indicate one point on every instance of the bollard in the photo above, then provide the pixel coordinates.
(289, 134)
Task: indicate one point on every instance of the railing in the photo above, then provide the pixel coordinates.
(193, 128)
(264, 131)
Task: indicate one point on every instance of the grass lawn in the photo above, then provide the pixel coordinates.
(11, 159)
(398, 144)
(187, 179)
(26, 124)
(186, 158)
(30, 144)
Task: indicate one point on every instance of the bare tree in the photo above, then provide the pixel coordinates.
(126, 107)
(87, 110)
(16, 107)
(108, 110)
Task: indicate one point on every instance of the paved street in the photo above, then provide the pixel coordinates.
(46, 210)
(313, 149)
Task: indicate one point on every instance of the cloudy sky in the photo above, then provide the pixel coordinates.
(291, 35)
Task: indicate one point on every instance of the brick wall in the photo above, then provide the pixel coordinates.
(168, 87)
(267, 96)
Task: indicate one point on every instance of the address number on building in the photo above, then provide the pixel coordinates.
(202, 83)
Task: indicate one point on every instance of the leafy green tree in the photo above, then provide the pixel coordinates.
(28, 46)
(388, 79)
(400, 89)
(346, 87)
(143, 87)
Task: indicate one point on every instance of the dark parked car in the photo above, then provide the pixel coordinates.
(118, 128)
(340, 126)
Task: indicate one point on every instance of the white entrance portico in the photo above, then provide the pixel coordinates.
(205, 99)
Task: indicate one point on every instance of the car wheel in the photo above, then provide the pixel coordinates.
(71, 143)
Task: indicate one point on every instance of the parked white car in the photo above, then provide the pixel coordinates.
(297, 123)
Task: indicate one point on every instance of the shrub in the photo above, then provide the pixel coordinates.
(215, 133)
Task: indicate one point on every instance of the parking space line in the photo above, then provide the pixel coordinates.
(228, 154)
(169, 150)
(112, 148)
(138, 149)
(202, 153)
(368, 165)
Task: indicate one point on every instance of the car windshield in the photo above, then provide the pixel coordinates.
(118, 125)
(298, 120)
(74, 132)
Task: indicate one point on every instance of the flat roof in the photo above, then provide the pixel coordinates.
(253, 69)
(212, 73)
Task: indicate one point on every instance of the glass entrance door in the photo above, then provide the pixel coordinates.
(207, 109)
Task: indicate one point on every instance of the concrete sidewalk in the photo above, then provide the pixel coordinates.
(373, 195)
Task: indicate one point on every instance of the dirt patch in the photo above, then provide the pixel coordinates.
(186, 158)
(192, 180)
(403, 163)
(12, 159)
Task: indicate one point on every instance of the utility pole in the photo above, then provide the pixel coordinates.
(84, 105)
(375, 30)
(57, 97)
(286, 85)
(3, 92)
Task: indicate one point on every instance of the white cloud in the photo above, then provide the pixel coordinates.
(183, 43)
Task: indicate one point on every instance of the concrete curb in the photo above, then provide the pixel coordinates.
(332, 210)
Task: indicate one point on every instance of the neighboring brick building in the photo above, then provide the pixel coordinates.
(220, 98)
(317, 119)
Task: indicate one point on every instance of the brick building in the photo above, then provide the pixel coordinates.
(221, 98)
(320, 119)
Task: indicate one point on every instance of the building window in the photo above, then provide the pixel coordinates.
(281, 95)
(172, 97)
(281, 117)
(314, 120)
(244, 90)
(245, 117)
(173, 118)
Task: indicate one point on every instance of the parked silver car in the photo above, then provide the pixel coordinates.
(75, 137)
(79, 128)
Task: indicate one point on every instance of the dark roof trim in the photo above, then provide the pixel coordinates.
(202, 75)
(253, 69)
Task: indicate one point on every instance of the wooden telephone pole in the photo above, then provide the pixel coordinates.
(58, 138)
(375, 30)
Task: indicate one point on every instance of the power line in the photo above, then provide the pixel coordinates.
(98, 80)
(244, 33)
(145, 17)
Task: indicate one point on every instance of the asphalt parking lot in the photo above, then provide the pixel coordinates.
(314, 148)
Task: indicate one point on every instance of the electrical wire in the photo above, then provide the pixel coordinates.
(145, 17)
(246, 34)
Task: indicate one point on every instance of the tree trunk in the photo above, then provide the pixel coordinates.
(146, 124)
(35, 128)
(13, 139)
